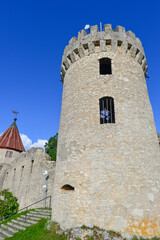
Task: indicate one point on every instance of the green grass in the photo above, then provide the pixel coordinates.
(37, 232)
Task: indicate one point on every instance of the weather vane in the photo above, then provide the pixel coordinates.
(15, 113)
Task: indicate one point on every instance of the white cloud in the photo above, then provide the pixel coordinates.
(39, 143)
(27, 142)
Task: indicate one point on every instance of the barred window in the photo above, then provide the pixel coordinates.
(9, 154)
(105, 66)
(107, 114)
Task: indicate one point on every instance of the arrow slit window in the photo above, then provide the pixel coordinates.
(107, 114)
(105, 66)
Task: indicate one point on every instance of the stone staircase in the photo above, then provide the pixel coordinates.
(8, 229)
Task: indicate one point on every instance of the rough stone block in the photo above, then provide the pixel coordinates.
(120, 29)
(94, 29)
(131, 34)
(107, 27)
(91, 47)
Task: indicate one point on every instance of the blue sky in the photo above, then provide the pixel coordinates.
(33, 35)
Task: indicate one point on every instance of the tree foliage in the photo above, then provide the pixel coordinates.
(51, 147)
(8, 203)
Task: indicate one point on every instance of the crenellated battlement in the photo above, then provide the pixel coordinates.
(103, 41)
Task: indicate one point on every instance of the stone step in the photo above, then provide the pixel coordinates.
(28, 220)
(32, 218)
(41, 213)
(16, 225)
(37, 215)
(11, 229)
(21, 223)
(2, 236)
(44, 210)
(5, 232)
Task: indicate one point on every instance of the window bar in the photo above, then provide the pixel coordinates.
(103, 110)
(100, 104)
(113, 112)
(111, 108)
(107, 108)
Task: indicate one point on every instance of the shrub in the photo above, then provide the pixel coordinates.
(8, 203)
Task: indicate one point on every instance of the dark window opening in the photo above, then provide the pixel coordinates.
(22, 172)
(108, 42)
(119, 43)
(129, 46)
(96, 43)
(67, 187)
(107, 114)
(9, 154)
(137, 51)
(32, 165)
(105, 66)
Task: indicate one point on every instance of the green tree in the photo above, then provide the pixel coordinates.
(8, 203)
(51, 147)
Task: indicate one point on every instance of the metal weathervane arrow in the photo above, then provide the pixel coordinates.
(15, 112)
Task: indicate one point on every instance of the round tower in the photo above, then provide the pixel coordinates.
(108, 160)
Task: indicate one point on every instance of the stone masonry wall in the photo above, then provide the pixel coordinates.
(159, 138)
(3, 169)
(113, 168)
(25, 179)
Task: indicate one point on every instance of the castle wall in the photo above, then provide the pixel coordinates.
(114, 168)
(3, 169)
(25, 179)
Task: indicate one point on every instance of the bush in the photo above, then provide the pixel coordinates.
(8, 203)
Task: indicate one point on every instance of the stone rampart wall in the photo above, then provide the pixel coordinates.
(25, 179)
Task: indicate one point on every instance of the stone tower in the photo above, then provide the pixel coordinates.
(108, 160)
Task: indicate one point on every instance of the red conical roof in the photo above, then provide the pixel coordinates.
(11, 139)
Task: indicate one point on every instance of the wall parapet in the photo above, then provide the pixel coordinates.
(103, 41)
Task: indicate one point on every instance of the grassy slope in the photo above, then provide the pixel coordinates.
(37, 232)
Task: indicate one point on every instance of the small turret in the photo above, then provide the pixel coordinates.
(11, 139)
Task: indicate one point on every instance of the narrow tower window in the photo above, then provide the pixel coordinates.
(107, 110)
(67, 187)
(105, 66)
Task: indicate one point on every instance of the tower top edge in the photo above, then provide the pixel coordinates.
(119, 36)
